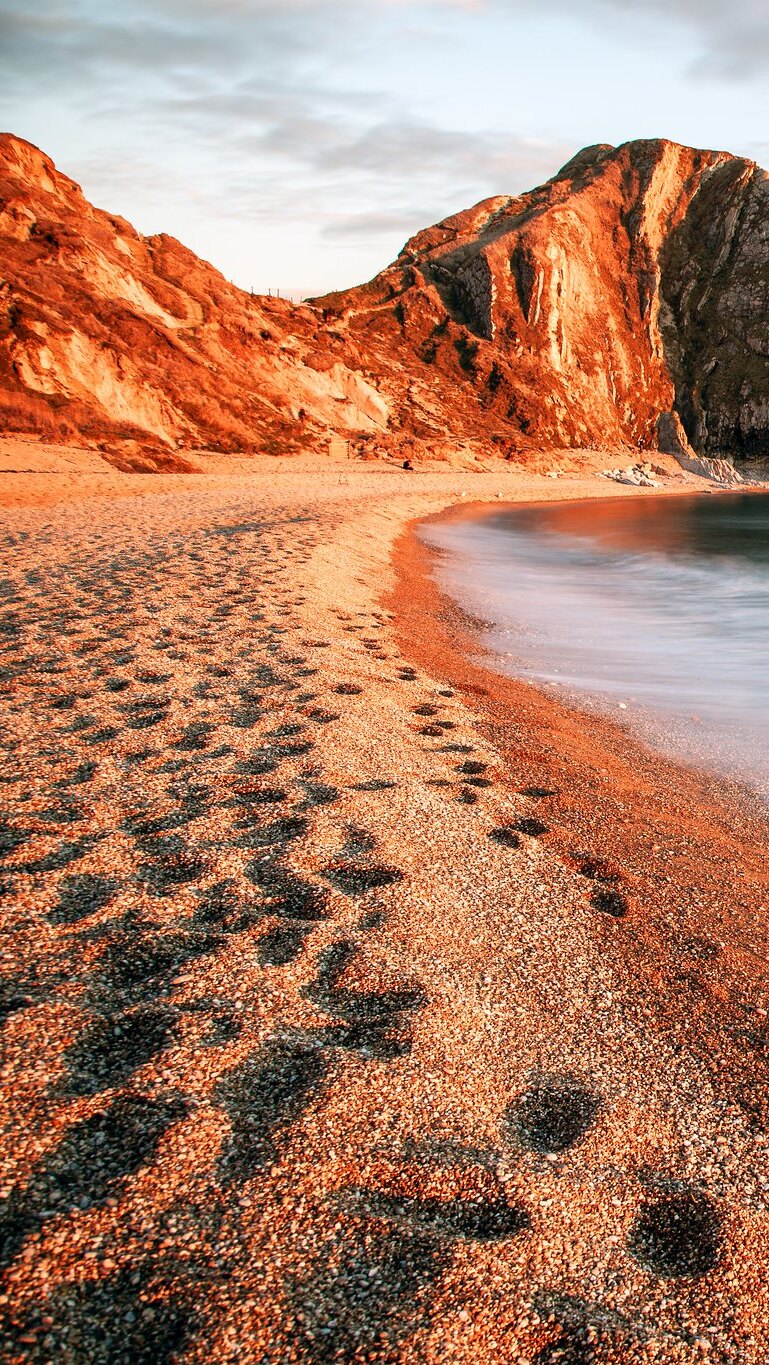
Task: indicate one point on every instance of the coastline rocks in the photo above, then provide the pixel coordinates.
(720, 471)
(639, 475)
(672, 439)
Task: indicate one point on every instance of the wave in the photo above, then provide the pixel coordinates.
(658, 605)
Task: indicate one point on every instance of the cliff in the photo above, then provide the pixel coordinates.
(104, 332)
(631, 285)
(627, 291)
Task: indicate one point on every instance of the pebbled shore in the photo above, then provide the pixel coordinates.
(357, 1005)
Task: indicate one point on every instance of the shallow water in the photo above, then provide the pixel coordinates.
(655, 610)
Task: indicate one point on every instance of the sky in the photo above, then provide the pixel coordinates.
(297, 144)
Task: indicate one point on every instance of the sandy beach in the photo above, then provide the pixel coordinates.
(358, 1004)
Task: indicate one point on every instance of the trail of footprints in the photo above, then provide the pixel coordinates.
(196, 641)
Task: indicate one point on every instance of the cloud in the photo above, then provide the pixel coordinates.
(731, 40)
(405, 174)
(414, 148)
(734, 38)
(259, 84)
(258, 72)
(258, 119)
(218, 43)
(271, 116)
(357, 227)
(66, 39)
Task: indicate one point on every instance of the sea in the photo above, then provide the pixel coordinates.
(653, 611)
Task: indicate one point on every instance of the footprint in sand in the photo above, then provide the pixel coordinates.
(276, 833)
(606, 897)
(374, 1022)
(506, 836)
(282, 944)
(172, 865)
(259, 795)
(320, 793)
(109, 1048)
(353, 872)
(574, 1347)
(532, 827)
(551, 1115)
(82, 895)
(678, 1236)
(91, 1161)
(140, 964)
(372, 919)
(287, 894)
(220, 907)
(458, 1219)
(356, 878)
(365, 1287)
(609, 901)
(263, 1098)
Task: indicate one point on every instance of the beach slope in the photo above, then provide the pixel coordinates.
(358, 1005)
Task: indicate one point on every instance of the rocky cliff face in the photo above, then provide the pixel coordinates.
(104, 332)
(715, 311)
(630, 286)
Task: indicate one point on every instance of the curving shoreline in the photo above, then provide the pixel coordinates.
(413, 1061)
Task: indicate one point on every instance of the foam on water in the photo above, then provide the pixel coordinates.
(655, 610)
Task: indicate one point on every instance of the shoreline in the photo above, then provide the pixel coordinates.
(265, 806)
(657, 826)
(730, 785)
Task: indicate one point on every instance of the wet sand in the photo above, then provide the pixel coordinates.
(350, 1011)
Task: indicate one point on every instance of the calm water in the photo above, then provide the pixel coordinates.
(654, 610)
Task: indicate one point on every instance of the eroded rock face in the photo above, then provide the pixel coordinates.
(715, 320)
(104, 332)
(621, 303)
(629, 286)
(633, 284)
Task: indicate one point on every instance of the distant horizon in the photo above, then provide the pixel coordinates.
(297, 144)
